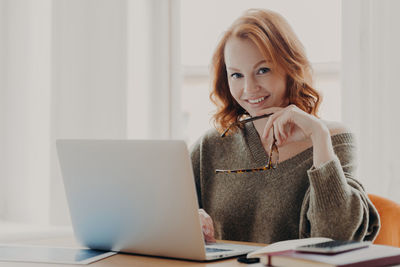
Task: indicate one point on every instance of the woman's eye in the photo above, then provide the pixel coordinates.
(236, 75)
(263, 70)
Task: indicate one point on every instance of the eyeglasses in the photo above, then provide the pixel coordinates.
(273, 156)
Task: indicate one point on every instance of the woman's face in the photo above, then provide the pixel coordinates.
(253, 82)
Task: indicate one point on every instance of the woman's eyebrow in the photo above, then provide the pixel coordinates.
(259, 63)
(234, 69)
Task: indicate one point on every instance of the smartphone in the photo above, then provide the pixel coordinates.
(333, 247)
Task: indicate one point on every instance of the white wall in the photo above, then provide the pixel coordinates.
(68, 70)
(112, 75)
(26, 94)
(2, 110)
(88, 79)
(64, 77)
(371, 62)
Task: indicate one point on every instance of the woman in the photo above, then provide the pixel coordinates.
(260, 68)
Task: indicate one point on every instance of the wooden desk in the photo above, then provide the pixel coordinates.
(123, 259)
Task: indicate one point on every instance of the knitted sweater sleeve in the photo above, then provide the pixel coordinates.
(336, 205)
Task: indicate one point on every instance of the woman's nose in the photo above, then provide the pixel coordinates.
(251, 85)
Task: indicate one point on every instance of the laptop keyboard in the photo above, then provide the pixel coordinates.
(209, 250)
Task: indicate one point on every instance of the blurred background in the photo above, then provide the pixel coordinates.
(139, 69)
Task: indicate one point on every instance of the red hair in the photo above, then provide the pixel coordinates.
(278, 43)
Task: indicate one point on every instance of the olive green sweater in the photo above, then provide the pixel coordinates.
(293, 201)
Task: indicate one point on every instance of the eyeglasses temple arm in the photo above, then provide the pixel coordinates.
(246, 121)
(255, 118)
(227, 129)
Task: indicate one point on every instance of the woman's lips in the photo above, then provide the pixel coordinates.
(257, 101)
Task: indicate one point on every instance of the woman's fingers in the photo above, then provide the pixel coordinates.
(280, 132)
(207, 226)
(209, 235)
(271, 121)
(283, 124)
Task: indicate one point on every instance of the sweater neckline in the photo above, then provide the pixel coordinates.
(256, 148)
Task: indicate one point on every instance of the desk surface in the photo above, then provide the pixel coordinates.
(122, 259)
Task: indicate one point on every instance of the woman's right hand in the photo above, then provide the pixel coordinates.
(207, 226)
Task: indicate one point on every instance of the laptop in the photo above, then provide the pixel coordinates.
(136, 196)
